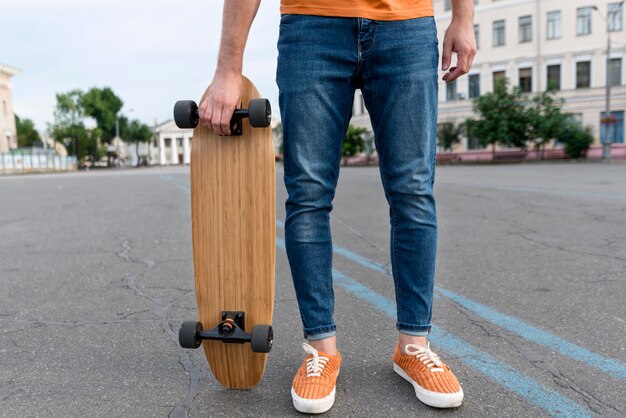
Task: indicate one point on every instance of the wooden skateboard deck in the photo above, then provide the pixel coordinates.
(233, 209)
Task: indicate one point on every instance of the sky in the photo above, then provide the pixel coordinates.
(150, 52)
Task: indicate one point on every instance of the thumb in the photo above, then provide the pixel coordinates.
(446, 55)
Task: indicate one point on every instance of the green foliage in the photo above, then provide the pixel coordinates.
(577, 139)
(448, 135)
(503, 118)
(27, 135)
(137, 132)
(353, 141)
(102, 105)
(68, 127)
(545, 119)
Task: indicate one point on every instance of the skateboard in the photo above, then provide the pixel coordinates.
(233, 218)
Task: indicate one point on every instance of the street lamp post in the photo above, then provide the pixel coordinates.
(606, 143)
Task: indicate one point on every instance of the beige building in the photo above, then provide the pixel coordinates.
(532, 43)
(8, 135)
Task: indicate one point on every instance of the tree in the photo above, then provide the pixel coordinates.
(503, 118)
(136, 133)
(545, 120)
(103, 105)
(27, 135)
(352, 142)
(577, 139)
(448, 135)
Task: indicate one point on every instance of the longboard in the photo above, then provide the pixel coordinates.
(233, 214)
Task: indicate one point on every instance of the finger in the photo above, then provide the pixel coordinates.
(454, 75)
(227, 114)
(462, 63)
(447, 75)
(216, 121)
(205, 114)
(446, 54)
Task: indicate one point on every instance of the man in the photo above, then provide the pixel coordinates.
(327, 49)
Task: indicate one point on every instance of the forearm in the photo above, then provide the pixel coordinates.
(463, 10)
(236, 22)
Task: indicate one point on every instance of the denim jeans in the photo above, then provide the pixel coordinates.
(321, 61)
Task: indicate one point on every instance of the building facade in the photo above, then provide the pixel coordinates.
(536, 43)
(8, 134)
(170, 145)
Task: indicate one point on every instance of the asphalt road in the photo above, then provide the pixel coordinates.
(96, 276)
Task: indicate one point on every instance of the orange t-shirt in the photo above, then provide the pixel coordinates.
(369, 9)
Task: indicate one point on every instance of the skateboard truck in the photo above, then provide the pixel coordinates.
(230, 330)
(259, 112)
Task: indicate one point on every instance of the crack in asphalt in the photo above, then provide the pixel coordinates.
(160, 309)
(533, 357)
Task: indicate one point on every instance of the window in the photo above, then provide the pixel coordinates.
(615, 71)
(498, 33)
(451, 91)
(554, 25)
(167, 142)
(154, 143)
(179, 142)
(498, 78)
(4, 108)
(474, 85)
(583, 74)
(614, 17)
(583, 20)
(447, 5)
(554, 77)
(526, 79)
(525, 29)
(477, 35)
(615, 131)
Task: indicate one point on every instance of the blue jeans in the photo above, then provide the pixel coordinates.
(321, 61)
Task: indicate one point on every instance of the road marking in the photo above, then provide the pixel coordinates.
(534, 392)
(543, 397)
(510, 323)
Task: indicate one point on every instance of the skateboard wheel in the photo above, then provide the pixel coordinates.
(262, 338)
(186, 114)
(259, 113)
(188, 335)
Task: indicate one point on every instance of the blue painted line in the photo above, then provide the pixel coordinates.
(540, 336)
(534, 392)
(512, 324)
(537, 394)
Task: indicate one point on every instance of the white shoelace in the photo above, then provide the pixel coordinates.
(427, 357)
(315, 365)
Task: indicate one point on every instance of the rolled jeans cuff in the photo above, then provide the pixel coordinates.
(415, 330)
(320, 333)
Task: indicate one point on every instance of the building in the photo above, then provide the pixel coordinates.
(170, 145)
(534, 43)
(8, 134)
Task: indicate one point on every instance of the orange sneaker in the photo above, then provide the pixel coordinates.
(434, 383)
(313, 388)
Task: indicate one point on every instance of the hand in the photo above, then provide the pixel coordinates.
(223, 96)
(459, 38)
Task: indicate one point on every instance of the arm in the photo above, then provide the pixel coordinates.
(459, 38)
(225, 89)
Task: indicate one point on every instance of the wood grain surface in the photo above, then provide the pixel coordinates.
(233, 208)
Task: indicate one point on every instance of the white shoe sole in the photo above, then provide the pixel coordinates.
(313, 406)
(434, 399)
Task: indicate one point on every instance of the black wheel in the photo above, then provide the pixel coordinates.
(186, 114)
(188, 335)
(259, 113)
(262, 338)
